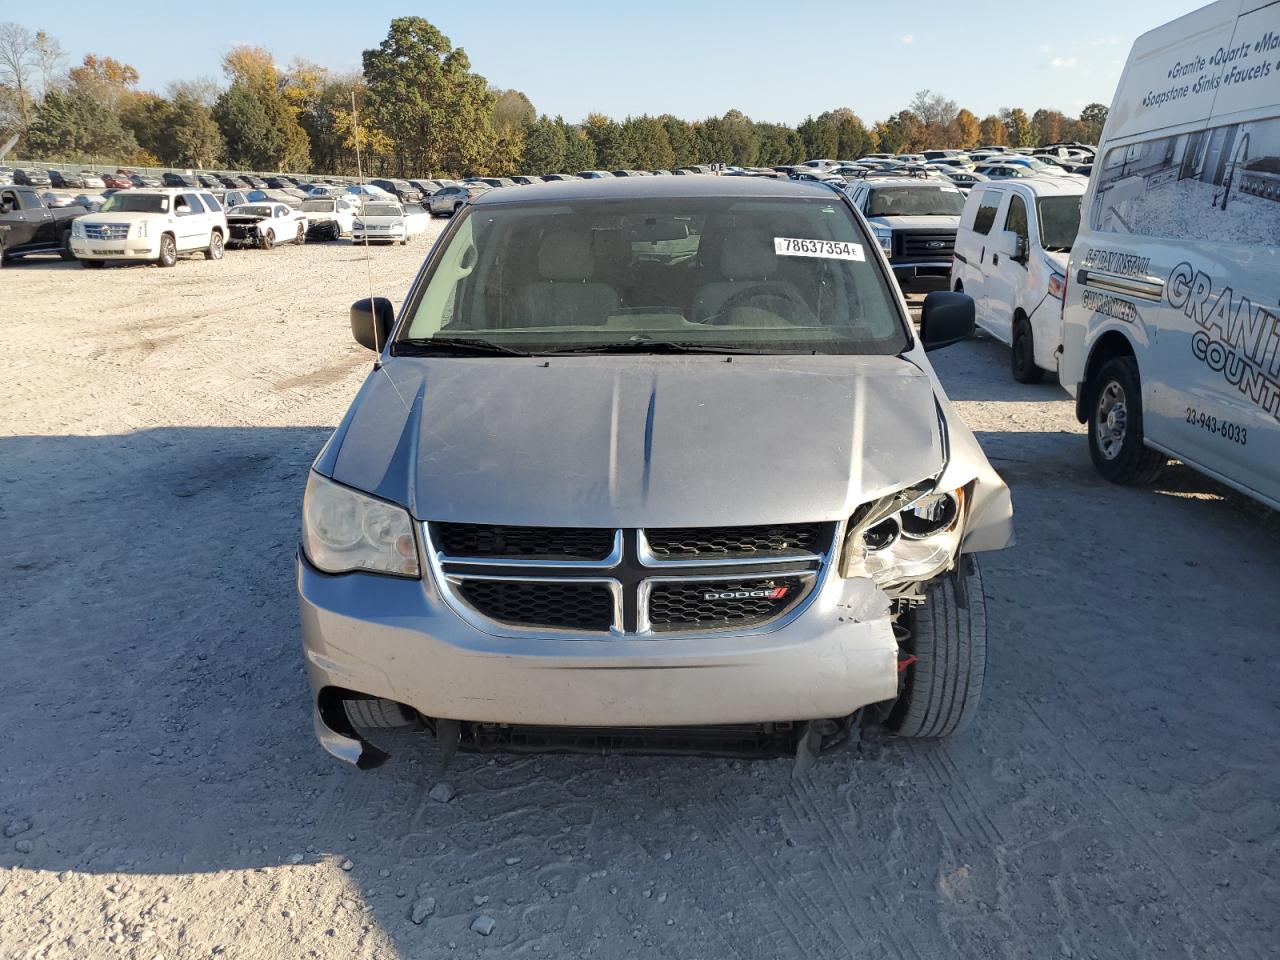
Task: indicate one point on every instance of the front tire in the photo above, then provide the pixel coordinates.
(267, 240)
(942, 688)
(377, 714)
(1115, 425)
(301, 237)
(1022, 362)
(168, 251)
(216, 247)
(65, 251)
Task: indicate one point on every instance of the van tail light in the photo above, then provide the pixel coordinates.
(1062, 305)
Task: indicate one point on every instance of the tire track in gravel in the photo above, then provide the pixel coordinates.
(843, 848)
(1136, 831)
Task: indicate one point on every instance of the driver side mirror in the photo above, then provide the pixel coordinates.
(371, 322)
(946, 318)
(1010, 245)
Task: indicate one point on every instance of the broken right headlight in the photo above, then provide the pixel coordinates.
(891, 543)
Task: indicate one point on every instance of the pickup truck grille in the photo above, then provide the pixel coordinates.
(931, 245)
(106, 231)
(585, 582)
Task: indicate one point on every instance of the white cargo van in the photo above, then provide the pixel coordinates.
(1011, 258)
(1171, 319)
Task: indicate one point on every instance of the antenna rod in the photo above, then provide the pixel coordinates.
(368, 263)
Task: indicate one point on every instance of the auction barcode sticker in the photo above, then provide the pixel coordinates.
(827, 249)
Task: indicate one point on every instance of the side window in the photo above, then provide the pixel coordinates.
(187, 204)
(8, 201)
(211, 202)
(1016, 218)
(986, 215)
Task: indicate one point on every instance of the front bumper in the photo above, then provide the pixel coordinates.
(930, 275)
(377, 236)
(127, 248)
(397, 639)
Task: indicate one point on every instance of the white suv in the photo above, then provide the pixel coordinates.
(151, 225)
(1011, 258)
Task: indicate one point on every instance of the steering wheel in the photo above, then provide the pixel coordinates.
(763, 296)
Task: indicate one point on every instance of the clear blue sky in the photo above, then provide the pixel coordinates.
(773, 60)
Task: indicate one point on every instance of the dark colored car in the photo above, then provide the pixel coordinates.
(180, 180)
(209, 181)
(257, 183)
(491, 181)
(558, 177)
(402, 190)
(30, 178)
(66, 180)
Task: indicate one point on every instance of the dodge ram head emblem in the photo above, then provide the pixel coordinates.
(765, 593)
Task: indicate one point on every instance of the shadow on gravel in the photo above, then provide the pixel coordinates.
(1117, 797)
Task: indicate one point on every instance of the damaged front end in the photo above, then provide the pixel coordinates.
(244, 231)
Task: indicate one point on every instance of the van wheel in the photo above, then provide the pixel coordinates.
(941, 687)
(216, 247)
(1115, 425)
(168, 251)
(1023, 356)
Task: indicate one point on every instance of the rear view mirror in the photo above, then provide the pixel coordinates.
(946, 318)
(371, 320)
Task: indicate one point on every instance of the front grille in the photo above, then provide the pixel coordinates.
(490, 542)
(721, 604)
(106, 231)
(737, 543)
(924, 246)
(532, 604)
(535, 581)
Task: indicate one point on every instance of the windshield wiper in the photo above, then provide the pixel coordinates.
(650, 346)
(454, 346)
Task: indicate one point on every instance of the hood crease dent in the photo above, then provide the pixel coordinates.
(604, 441)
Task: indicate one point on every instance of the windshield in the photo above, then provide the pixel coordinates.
(136, 203)
(247, 211)
(1059, 221)
(923, 201)
(382, 210)
(318, 206)
(767, 275)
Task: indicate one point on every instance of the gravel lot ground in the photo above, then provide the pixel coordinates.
(161, 794)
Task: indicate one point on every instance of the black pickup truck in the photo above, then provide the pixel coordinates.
(28, 226)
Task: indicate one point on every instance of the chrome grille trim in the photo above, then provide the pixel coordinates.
(448, 572)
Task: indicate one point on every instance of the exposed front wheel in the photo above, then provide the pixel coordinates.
(1115, 425)
(301, 236)
(943, 658)
(168, 251)
(267, 240)
(1023, 358)
(377, 714)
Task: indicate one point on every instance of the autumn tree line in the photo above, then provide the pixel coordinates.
(418, 109)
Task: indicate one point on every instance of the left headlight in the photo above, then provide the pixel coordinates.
(915, 543)
(884, 237)
(344, 530)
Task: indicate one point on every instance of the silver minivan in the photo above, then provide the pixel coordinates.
(651, 463)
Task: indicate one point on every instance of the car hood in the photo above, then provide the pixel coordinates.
(632, 441)
(949, 222)
(127, 216)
